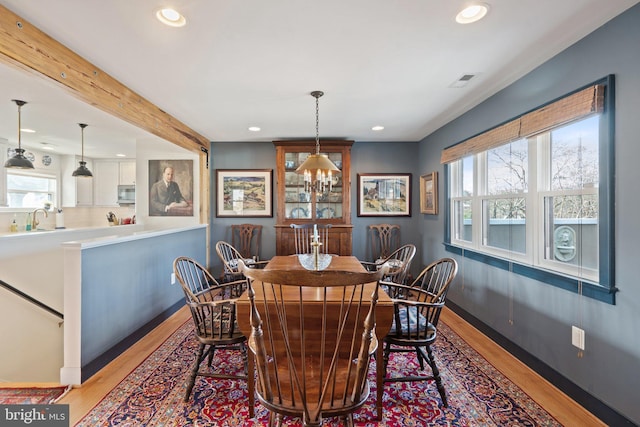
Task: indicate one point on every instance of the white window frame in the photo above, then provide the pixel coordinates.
(594, 283)
(534, 255)
(31, 173)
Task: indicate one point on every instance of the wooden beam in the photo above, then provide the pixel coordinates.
(26, 46)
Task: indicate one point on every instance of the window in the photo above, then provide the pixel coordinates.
(534, 195)
(27, 189)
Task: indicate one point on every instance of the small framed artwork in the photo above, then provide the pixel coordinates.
(244, 193)
(429, 193)
(384, 194)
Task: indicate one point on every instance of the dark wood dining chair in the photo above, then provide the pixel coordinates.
(246, 239)
(399, 263)
(213, 311)
(384, 240)
(417, 309)
(230, 256)
(311, 338)
(303, 233)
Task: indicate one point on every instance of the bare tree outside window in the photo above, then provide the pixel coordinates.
(574, 166)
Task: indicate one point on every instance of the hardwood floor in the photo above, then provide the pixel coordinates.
(565, 410)
(82, 399)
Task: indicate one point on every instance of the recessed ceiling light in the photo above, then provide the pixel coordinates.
(254, 129)
(472, 13)
(27, 130)
(171, 17)
(121, 155)
(377, 128)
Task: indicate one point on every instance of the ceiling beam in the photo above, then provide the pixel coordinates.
(25, 46)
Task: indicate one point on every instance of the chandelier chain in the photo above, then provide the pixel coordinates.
(317, 126)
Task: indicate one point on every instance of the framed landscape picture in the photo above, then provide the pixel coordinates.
(429, 193)
(384, 194)
(244, 192)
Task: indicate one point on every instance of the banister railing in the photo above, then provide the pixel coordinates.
(31, 299)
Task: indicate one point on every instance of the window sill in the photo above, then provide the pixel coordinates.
(590, 290)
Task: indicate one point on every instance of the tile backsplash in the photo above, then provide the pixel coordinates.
(79, 217)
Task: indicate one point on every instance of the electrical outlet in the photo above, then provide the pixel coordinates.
(577, 337)
(173, 278)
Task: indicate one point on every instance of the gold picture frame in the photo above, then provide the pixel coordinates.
(384, 194)
(244, 193)
(429, 193)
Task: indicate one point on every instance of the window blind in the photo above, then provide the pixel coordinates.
(576, 106)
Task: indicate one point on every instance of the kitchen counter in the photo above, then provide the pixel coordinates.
(34, 242)
(41, 232)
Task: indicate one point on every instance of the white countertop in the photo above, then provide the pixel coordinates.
(136, 235)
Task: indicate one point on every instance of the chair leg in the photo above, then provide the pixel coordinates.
(348, 420)
(251, 382)
(421, 357)
(307, 423)
(275, 420)
(194, 372)
(385, 358)
(212, 350)
(245, 357)
(436, 376)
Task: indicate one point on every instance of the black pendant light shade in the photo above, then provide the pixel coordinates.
(19, 161)
(82, 169)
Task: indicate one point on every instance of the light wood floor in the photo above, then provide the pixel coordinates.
(82, 399)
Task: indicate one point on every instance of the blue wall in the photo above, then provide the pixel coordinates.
(122, 293)
(366, 157)
(535, 316)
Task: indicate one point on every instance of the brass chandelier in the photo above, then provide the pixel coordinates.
(317, 169)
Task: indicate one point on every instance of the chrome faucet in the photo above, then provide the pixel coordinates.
(34, 221)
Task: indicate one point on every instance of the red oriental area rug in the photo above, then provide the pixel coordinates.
(479, 395)
(31, 395)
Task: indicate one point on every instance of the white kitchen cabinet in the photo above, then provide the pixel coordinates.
(127, 172)
(76, 191)
(106, 175)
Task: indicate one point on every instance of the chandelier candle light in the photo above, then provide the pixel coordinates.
(317, 168)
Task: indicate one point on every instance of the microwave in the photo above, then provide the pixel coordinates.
(126, 194)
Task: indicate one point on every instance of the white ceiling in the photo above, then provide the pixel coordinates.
(254, 62)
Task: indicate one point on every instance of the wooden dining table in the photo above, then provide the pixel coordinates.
(384, 309)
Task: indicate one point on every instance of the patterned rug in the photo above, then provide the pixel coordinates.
(31, 395)
(478, 394)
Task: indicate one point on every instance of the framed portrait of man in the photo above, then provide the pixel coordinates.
(170, 187)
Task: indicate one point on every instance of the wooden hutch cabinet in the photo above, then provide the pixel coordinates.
(295, 206)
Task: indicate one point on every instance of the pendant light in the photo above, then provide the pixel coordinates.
(317, 168)
(82, 169)
(19, 161)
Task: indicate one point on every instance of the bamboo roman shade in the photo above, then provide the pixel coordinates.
(572, 107)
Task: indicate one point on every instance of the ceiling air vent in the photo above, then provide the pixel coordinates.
(462, 81)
